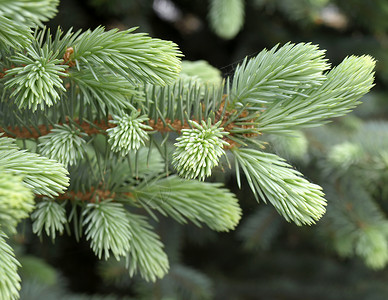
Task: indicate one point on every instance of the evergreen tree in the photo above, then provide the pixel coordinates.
(95, 124)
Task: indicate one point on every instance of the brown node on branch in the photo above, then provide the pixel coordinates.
(66, 57)
(91, 196)
(24, 133)
(161, 127)
(232, 125)
(4, 71)
(176, 125)
(41, 130)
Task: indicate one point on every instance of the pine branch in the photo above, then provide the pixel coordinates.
(189, 283)
(359, 226)
(338, 95)
(29, 13)
(16, 201)
(39, 82)
(43, 176)
(99, 101)
(199, 149)
(292, 146)
(60, 42)
(108, 228)
(260, 229)
(134, 56)
(277, 75)
(18, 16)
(226, 17)
(201, 71)
(50, 216)
(344, 155)
(123, 58)
(199, 202)
(146, 255)
(111, 92)
(10, 280)
(271, 178)
(129, 134)
(186, 99)
(13, 35)
(39, 131)
(63, 144)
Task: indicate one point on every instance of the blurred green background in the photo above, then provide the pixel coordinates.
(265, 258)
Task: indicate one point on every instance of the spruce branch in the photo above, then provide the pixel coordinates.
(63, 144)
(199, 202)
(338, 95)
(277, 75)
(38, 82)
(44, 176)
(49, 216)
(16, 202)
(129, 134)
(372, 245)
(199, 149)
(201, 71)
(147, 163)
(358, 224)
(146, 255)
(10, 279)
(19, 16)
(107, 228)
(61, 42)
(80, 86)
(300, 11)
(260, 229)
(185, 99)
(122, 174)
(293, 145)
(271, 178)
(29, 13)
(226, 17)
(372, 137)
(190, 284)
(13, 35)
(113, 272)
(37, 269)
(134, 56)
(111, 92)
(344, 155)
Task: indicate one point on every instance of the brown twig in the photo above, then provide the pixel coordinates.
(67, 57)
(41, 130)
(102, 126)
(91, 196)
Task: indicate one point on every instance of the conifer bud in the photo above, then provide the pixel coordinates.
(198, 150)
(64, 144)
(129, 134)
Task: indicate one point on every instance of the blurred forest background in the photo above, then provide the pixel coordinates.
(343, 256)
